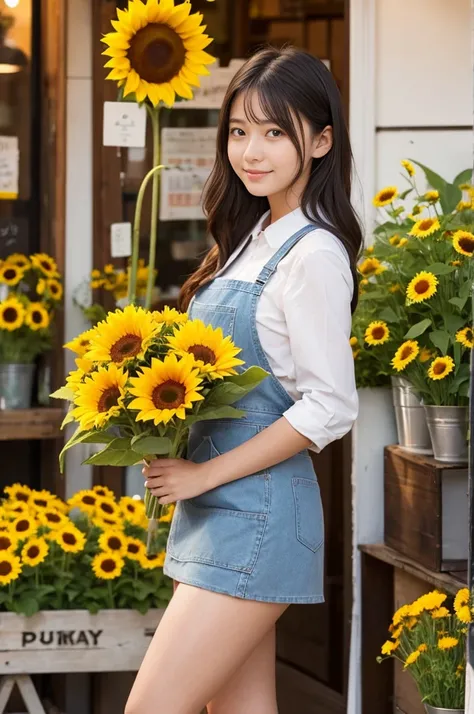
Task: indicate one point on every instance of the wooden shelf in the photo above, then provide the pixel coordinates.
(39, 423)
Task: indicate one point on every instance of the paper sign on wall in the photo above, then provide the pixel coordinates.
(120, 240)
(124, 124)
(9, 167)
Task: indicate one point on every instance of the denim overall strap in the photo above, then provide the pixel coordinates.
(270, 267)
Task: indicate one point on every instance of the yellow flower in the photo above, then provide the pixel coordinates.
(166, 389)
(395, 240)
(369, 249)
(132, 509)
(135, 549)
(76, 377)
(388, 647)
(150, 562)
(440, 612)
(431, 196)
(464, 206)
(106, 522)
(385, 196)
(408, 166)
(55, 289)
(403, 242)
(395, 288)
(377, 333)
(107, 508)
(170, 316)
(465, 337)
(430, 601)
(456, 263)
(52, 518)
(84, 500)
(425, 354)
(157, 50)
(19, 260)
(37, 316)
(81, 343)
(168, 517)
(412, 657)
(100, 397)
(18, 492)
(425, 227)
(461, 605)
(441, 367)
(416, 212)
(401, 614)
(123, 335)
(45, 264)
(34, 551)
(8, 542)
(214, 354)
(463, 242)
(107, 566)
(103, 491)
(353, 341)
(422, 647)
(12, 314)
(24, 527)
(405, 354)
(371, 266)
(70, 539)
(42, 499)
(422, 287)
(113, 541)
(10, 567)
(11, 274)
(447, 643)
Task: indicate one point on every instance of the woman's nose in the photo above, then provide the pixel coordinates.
(253, 150)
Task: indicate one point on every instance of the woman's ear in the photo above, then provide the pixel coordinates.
(322, 143)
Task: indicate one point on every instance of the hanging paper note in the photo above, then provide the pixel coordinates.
(9, 167)
(124, 124)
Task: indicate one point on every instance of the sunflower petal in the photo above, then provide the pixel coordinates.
(190, 23)
(117, 74)
(181, 88)
(179, 14)
(124, 18)
(196, 68)
(167, 93)
(203, 58)
(114, 52)
(114, 39)
(154, 93)
(142, 91)
(166, 8)
(118, 63)
(138, 15)
(121, 29)
(189, 77)
(197, 43)
(132, 83)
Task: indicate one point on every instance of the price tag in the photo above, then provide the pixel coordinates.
(124, 124)
(9, 167)
(121, 240)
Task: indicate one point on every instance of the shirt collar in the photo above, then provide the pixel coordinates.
(277, 233)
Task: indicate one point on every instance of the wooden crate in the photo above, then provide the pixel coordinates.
(426, 509)
(75, 641)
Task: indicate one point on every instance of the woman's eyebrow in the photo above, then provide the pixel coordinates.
(236, 120)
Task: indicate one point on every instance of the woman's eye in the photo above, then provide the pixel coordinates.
(236, 128)
(275, 133)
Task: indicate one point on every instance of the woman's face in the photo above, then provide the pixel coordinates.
(263, 156)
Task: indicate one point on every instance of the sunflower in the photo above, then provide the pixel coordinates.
(55, 289)
(464, 206)
(371, 266)
(439, 613)
(24, 527)
(463, 242)
(403, 243)
(16, 509)
(10, 568)
(81, 343)
(157, 50)
(12, 314)
(422, 287)
(425, 354)
(107, 566)
(70, 539)
(34, 551)
(150, 562)
(461, 605)
(124, 335)
(405, 354)
(18, 492)
(353, 341)
(447, 643)
(37, 316)
(465, 337)
(441, 367)
(408, 166)
(166, 389)
(385, 196)
(132, 509)
(84, 500)
(107, 522)
(395, 240)
(100, 397)
(135, 549)
(425, 227)
(76, 377)
(45, 264)
(18, 259)
(11, 274)
(214, 354)
(103, 491)
(170, 316)
(114, 541)
(52, 518)
(431, 196)
(8, 542)
(377, 333)
(107, 508)
(41, 499)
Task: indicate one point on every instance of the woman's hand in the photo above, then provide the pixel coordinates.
(172, 480)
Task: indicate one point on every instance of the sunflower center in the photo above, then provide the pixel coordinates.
(421, 287)
(88, 500)
(107, 508)
(108, 399)
(37, 317)
(126, 347)
(385, 195)
(108, 565)
(157, 53)
(439, 368)
(468, 334)
(46, 266)
(5, 568)
(203, 353)
(169, 395)
(5, 542)
(33, 552)
(53, 517)
(467, 244)
(427, 223)
(22, 496)
(10, 314)
(114, 543)
(10, 274)
(22, 526)
(69, 538)
(378, 333)
(40, 502)
(132, 548)
(406, 352)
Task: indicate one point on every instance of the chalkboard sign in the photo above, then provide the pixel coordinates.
(13, 236)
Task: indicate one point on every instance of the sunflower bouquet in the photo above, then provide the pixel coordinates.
(85, 553)
(430, 641)
(415, 316)
(143, 379)
(30, 292)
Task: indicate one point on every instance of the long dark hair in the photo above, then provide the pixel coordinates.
(285, 80)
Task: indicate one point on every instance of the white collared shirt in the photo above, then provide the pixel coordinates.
(304, 323)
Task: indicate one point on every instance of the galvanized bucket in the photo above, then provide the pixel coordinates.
(448, 429)
(410, 417)
(16, 382)
(439, 710)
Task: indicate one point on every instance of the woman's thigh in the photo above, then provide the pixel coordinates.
(252, 688)
(201, 641)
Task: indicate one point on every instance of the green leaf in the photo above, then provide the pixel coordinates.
(465, 290)
(144, 445)
(63, 393)
(389, 315)
(453, 323)
(120, 443)
(68, 419)
(440, 269)
(27, 605)
(418, 329)
(449, 195)
(76, 438)
(440, 339)
(98, 437)
(217, 412)
(404, 194)
(111, 457)
(464, 177)
(458, 301)
(234, 388)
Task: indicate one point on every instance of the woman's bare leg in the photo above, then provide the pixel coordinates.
(202, 640)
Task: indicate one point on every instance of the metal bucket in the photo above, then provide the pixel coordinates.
(448, 428)
(410, 417)
(440, 710)
(16, 383)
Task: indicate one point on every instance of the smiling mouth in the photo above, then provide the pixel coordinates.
(257, 173)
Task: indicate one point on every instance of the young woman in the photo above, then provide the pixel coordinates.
(247, 535)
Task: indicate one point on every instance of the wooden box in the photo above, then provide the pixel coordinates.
(426, 509)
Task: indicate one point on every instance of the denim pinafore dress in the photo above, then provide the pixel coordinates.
(260, 537)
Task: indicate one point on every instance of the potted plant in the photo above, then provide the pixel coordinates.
(30, 293)
(430, 641)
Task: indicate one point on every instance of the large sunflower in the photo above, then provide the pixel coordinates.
(166, 389)
(100, 397)
(18, 259)
(10, 568)
(24, 527)
(214, 354)
(45, 264)
(124, 335)
(70, 539)
(81, 343)
(132, 509)
(113, 541)
(37, 316)
(157, 50)
(385, 196)
(8, 542)
(135, 548)
(465, 337)
(422, 287)
(463, 243)
(441, 367)
(425, 227)
(405, 354)
(34, 551)
(107, 566)
(12, 314)
(377, 333)
(11, 274)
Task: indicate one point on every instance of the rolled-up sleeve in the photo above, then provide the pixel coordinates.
(316, 303)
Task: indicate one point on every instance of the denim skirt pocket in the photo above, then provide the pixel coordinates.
(308, 513)
(222, 316)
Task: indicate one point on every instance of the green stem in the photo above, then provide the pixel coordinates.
(155, 123)
(111, 595)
